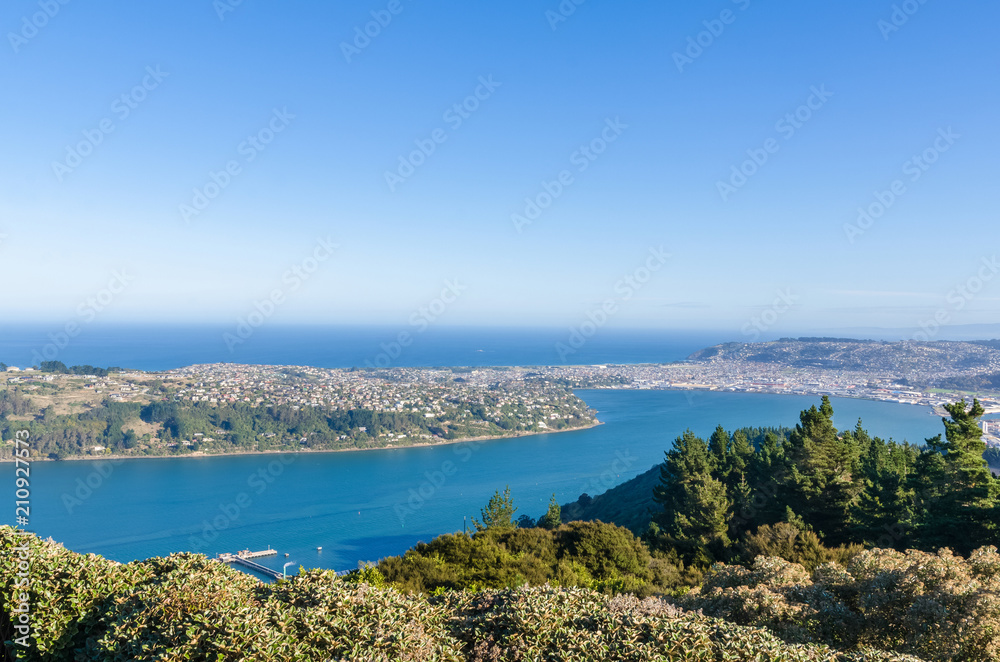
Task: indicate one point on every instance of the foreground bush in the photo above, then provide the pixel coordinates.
(186, 607)
(937, 606)
(603, 557)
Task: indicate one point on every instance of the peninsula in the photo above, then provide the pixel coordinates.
(230, 408)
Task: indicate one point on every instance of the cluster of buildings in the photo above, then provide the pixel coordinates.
(542, 397)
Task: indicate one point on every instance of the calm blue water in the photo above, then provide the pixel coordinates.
(358, 506)
(165, 347)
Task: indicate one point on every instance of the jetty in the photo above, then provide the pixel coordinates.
(245, 559)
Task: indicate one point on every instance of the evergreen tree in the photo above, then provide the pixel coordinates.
(718, 447)
(553, 517)
(741, 454)
(695, 505)
(883, 514)
(821, 482)
(498, 515)
(961, 501)
(767, 471)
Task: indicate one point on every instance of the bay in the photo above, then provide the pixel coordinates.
(366, 505)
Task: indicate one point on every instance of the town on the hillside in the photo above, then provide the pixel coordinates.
(460, 403)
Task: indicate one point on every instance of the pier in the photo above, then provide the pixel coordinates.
(245, 558)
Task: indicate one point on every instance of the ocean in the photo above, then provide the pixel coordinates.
(152, 348)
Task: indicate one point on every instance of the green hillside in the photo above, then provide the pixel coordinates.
(630, 504)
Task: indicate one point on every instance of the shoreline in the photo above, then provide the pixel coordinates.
(200, 455)
(936, 411)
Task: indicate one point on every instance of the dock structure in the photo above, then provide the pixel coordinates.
(245, 557)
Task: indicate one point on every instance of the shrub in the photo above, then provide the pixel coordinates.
(187, 607)
(940, 606)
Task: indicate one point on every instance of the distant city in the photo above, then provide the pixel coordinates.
(482, 402)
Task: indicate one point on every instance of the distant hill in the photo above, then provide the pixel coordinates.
(972, 365)
(629, 504)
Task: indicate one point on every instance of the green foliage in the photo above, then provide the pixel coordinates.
(369, 574)
(936, 606)
(823, 468)
(498, 514)
(553, 516)
(600, 556)
(14, 403)
(963, 512)
(695, 503)
(60, 368)
(789, 542)
(833, 488)
(630, 504)
(186, 607)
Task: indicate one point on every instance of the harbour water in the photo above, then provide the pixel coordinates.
(362, 506)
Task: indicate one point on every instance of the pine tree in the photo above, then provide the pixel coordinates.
(695, 505)
(498, 515)
(821, 483)
(553, 517)
(767, 473)
(961, 495)
(718, 447)
(883, 514)
(741, 454)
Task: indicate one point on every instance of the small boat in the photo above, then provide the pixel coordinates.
(319, 549)
(286, 555)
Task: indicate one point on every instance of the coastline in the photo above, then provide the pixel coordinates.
(816, 394)
(200, 455)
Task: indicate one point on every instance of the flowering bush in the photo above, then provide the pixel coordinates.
(937, 606)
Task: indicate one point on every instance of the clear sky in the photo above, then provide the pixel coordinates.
(310, 114)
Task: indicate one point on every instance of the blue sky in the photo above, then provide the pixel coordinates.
(770, 251)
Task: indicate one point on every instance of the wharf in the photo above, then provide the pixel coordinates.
(245, 557)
